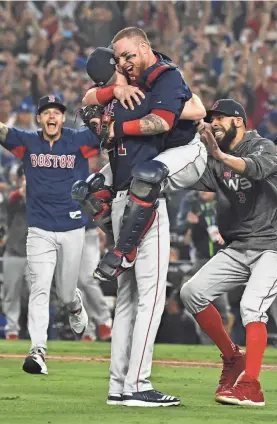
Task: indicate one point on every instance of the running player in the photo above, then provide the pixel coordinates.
(52, 157)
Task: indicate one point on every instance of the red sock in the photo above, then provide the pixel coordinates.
(210, 321)
(256, 342)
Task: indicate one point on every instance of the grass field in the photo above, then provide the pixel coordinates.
(75, 392)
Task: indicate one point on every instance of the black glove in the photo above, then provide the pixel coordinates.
(87, 113)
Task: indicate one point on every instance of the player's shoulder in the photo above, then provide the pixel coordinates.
(23, 133)
(256, 140)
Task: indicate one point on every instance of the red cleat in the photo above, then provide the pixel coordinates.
(232, 369)
(246, 392)
(104, 332)
(12, 337)
(88, 339)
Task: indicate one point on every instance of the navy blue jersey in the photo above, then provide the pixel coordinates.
(181, 134)
(167, 91)
(50, 174)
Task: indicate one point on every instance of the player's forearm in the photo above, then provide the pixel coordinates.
(99, 96)
(236, 164)
(151, 124)
(90, 97)
(193, 109)
(3, 132)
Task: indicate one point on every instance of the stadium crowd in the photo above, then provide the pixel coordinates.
(224, 50)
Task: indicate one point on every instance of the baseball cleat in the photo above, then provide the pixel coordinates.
(246, 392)
(35, 362)
(79, 320)
(104, 332)
(149, 399)
(12, 337)
(114, 399)
(232, 369)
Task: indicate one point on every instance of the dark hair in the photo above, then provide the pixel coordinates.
(131, 32)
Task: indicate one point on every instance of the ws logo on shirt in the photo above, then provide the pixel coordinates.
(52, 161)
(238, 184)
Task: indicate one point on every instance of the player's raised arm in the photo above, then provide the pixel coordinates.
(228, 122)
(168, 95)
(109, 83)
(194, 109)
(13, 140)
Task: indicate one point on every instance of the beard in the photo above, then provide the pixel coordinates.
(229, 135)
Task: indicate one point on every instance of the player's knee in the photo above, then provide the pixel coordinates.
(147, 180)
(188, 295)
(250, 313)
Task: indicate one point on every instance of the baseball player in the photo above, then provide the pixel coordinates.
(15, 267)
(52, 157)
(132, 348)
(183, 162)
(242, 170)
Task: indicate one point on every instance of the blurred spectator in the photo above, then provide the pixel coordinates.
(25, 119)
(224, 49)
(15, 268)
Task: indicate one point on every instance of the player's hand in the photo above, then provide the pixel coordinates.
(211, 145)
(201, 126)
(220, 240)
(127, 94)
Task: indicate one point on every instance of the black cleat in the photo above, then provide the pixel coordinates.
(114, 399)
(35, 363)
(149, 398)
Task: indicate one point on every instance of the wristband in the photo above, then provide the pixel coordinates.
(105, 95)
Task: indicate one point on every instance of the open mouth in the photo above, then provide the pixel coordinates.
(129, 69)
(218, 133)
(51, 125)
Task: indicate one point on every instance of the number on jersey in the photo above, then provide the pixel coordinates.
(121, 150)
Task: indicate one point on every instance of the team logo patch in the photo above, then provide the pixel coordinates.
(51, 98)
(214, 106)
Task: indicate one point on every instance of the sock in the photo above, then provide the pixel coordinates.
(256, 342)
(210, 321)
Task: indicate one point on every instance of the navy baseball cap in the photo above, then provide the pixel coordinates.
(101, 65)
(227, 107)
(25, 107)
(50, 101)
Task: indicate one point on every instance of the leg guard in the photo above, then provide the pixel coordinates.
(140, 211)
(138, 217)
(95, 200)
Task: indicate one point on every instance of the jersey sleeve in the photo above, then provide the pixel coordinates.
(16, 142)
(170, 92)
(88, 142)
(261, 161)
(207, 181)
